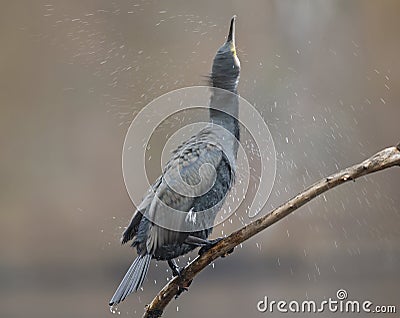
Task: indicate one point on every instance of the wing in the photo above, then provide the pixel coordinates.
(133, 226)
(190, 173)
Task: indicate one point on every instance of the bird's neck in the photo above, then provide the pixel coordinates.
(224, 112)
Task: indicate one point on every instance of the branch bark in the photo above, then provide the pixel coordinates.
(384, 159)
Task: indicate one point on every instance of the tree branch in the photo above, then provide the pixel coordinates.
(384, 159)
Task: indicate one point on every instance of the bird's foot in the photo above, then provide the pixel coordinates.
(182, 288)
(229, 252)
(176, 270)
(212, 243)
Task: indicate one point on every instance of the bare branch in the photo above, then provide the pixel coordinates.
(384, 159)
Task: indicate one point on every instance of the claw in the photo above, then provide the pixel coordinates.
(211, 243)
(182, 289)
(229, 252)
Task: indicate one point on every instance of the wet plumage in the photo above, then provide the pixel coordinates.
(198, 177)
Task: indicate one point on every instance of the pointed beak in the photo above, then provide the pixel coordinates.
(231, 35)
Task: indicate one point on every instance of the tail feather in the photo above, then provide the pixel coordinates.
(133, 279)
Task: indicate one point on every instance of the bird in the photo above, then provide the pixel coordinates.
(197, 178)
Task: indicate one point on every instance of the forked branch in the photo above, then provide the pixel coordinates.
(384, 159)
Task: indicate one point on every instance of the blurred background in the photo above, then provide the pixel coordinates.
(325, 76)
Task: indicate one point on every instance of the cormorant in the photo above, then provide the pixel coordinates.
(214, 149)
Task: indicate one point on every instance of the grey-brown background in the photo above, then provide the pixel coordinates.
(324, 74)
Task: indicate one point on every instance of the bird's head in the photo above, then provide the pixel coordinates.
(226, 65)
